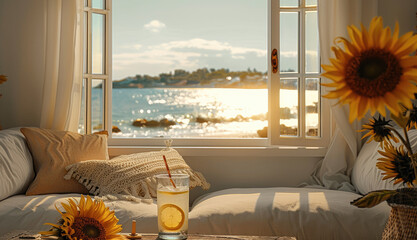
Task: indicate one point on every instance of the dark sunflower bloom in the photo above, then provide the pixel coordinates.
(396, 164)
(412, 121)
(379, 131)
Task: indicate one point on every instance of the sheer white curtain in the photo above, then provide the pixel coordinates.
(63, 65)
(334, 16)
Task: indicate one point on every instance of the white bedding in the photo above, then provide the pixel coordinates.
(31, 212)
(16, 165)
(302, 212)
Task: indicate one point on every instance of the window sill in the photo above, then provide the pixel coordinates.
(275, 151)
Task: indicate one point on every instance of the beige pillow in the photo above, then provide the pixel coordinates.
(53, 150)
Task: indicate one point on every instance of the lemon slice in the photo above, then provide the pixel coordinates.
(171, 217)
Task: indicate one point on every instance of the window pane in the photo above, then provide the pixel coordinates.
(85, 3)
(289, 3)
(180, 73)
(312, 98)
(97, 105)
(81, 123)
(311, 3)
(98, 43)
(312, 43)
(288, 97)
(100, 4)
(288, 42)
(85, 50)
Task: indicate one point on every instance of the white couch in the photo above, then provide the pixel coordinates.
(305, 213)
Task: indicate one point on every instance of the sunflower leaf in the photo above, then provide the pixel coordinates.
(373, 198)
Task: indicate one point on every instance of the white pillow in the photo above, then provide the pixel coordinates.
(16, 165)
(366, 177)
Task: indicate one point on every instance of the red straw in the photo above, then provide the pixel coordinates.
(169, 172)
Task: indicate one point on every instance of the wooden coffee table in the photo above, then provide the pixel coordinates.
(15, 235)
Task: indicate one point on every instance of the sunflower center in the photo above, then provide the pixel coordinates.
(372, 68)
(373, 73)
(88, 228)
(381, 131)
(403, 168)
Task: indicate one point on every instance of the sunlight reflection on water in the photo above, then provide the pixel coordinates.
(199, 112)
(229, 112)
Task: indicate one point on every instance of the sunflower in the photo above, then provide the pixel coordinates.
(379, 131)
(88, 220)
(3, 78)
(396, 164)
(374, 70)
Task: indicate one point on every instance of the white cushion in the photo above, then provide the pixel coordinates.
(31, 212)
(303, 213)
(16, 165)
(300, 212)
(366, 177)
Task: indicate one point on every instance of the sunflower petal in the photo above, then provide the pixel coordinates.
(376, 30)
(385, 38)
(392, 103)
(363, 107)
(407, 47)
(400, 42)
(332, 84)
(334, 75)
(381, 108)
(351, 48)
(409, 62)
(365, 36)
(328, 68)
(353, 114)
(338, 93)
(337, 65)
(395, 35)
(356, 37)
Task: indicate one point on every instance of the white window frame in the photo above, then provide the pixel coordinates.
(273, 141)
(88, 74)
(274, 84)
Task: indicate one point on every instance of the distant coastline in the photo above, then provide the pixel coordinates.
(200, 78)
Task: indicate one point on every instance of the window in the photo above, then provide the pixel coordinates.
(95, 107)
(295, 93)
(201, 70)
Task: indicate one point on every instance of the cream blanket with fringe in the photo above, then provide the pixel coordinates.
(131, 177)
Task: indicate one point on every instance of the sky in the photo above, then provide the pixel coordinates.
(159, 36)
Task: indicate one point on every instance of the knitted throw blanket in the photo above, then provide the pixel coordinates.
(130, 177)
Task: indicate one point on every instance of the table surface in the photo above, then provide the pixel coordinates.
(225, 237)
(16, 235)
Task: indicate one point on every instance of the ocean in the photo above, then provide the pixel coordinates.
(196, 112)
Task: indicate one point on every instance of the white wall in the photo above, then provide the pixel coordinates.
(240, 172)
(403, 11)
(21, 59)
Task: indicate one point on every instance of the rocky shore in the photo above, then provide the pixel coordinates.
(153, 123)
(165, 123)
(289, 131)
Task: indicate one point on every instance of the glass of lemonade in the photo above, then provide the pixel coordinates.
(173, 205)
